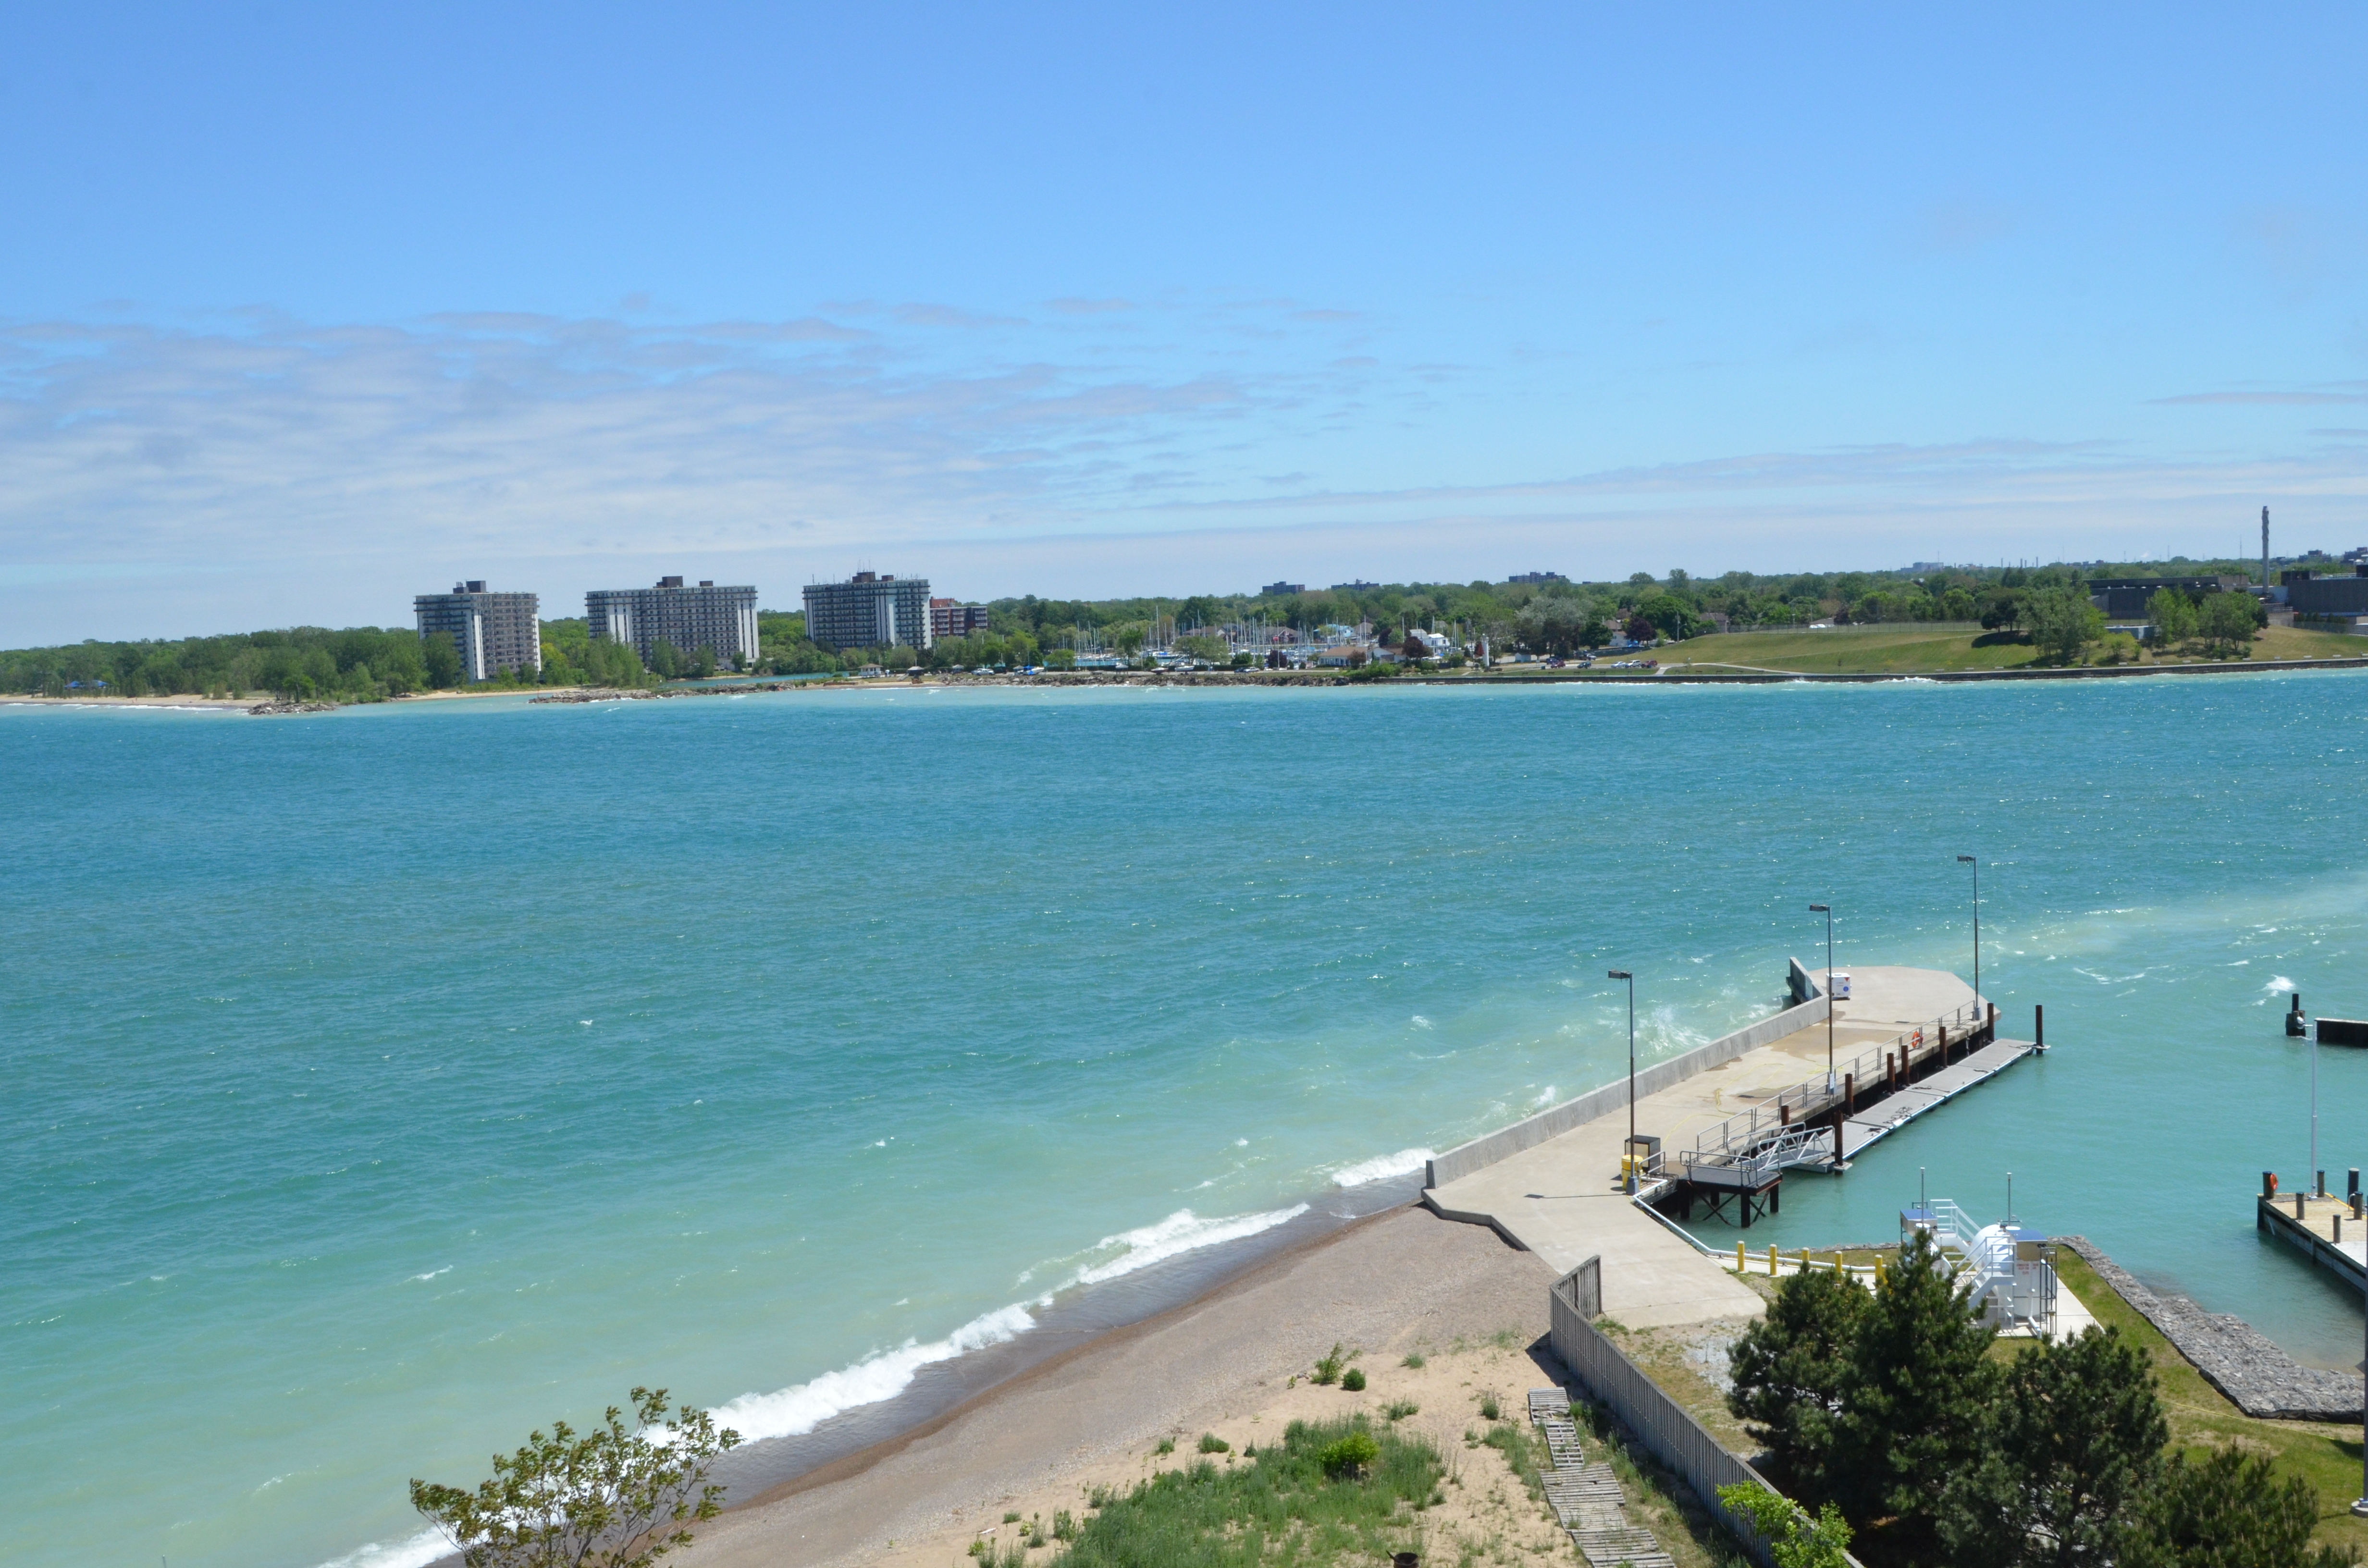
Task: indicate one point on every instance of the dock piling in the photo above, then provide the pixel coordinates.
(2298, 1201)
(2038, 1027)
(2351, 1188)
(2269, 1183)
(1849, 1107)
(2322, 1183)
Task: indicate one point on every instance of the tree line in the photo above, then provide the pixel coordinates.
(370, 664)
(362, 663)
(1890, 1409)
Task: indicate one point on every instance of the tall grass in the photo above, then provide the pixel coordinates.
(1279, 1510)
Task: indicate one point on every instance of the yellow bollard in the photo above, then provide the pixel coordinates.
(1774, 1270)
(1740, 1267)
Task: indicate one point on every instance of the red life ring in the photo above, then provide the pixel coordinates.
(1919, 1036)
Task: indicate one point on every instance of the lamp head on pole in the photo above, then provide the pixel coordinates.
(1619, 974)
(1821, 909)
(1965, 860)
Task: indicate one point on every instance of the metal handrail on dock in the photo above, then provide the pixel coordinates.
(1752, 1135)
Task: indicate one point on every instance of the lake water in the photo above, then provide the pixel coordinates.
(384, 1084)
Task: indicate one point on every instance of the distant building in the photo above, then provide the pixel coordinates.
(1354, 588)
(869, 610)
(949, 619)
(722, 620)
(2126, 598)
(495, 632)
(1538, 577)
(2311, 595)
(1284, 588)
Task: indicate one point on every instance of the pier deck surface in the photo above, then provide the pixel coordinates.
(2314, 1235)
(1562, 1199)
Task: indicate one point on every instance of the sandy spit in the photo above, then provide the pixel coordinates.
(1400, 1280)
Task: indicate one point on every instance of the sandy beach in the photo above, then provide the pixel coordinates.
(1401, 1281)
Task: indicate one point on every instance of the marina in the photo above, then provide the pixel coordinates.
(1711, 1136)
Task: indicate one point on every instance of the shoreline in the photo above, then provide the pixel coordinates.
(1090, 1415)
(1084, 1321)
(1270, 679)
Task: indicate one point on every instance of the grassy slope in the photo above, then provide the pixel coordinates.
(1913, 649)
(2201, 1418)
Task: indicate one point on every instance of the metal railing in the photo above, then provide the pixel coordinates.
(1776, 1120)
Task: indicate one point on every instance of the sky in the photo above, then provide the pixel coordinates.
(307, 309)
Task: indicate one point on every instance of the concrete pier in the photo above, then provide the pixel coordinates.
(1563, 1196)
(2326, 1231)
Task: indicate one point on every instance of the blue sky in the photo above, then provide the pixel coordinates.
(306, 309)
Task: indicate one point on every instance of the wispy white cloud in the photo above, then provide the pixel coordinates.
(2301, 397)
(1090, 450)
(275, 438)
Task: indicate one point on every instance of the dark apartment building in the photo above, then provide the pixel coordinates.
(950, 619)
(723, 619)
(869, 610)
(495, 632)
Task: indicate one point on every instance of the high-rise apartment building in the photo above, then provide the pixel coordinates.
(495, 632)
(949, 619)
(723, 619)
(869, 610)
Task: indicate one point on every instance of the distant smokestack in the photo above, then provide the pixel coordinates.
(2265, 550)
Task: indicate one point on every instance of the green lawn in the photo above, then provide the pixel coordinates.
(1913, 649)
(2201, 1418)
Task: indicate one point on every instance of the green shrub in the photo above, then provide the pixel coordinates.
(1328, 1370)
(1353, 1379)
(1166, 1445)
(1213, 1444)
(1414, 1360)
(1349, 1455)
(1489, 1408)
(1283, 1508)
(1065, 1526)
(1398, 1410)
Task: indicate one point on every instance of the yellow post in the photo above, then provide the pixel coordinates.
(1740, 1268)
(1773, 1271)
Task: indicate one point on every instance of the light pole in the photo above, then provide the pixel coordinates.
(1630, 1163)
(1976, 865)
(1827, 911)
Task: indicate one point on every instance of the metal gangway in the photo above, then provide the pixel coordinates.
(1746, 1149)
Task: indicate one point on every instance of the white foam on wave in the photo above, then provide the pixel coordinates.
(417, 1552)
(1380, 1167)
(1181, 1231)
(2279, 983)
(884, 1374)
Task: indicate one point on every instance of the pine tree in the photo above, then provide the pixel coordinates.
(1790, 1369)
(2227, 1511)
(2074, 1438)
(1914, 1400)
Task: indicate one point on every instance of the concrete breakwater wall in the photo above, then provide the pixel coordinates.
(1551, 1122)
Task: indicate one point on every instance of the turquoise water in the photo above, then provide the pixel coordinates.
(385, 1083)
